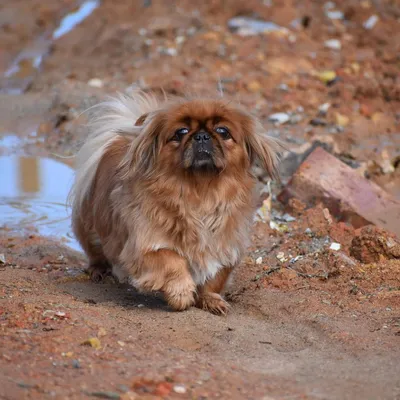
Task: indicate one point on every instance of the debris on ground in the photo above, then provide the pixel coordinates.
(347, 195)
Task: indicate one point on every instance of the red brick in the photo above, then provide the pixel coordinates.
(349, 196)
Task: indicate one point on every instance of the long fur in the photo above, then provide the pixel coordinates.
(137, 211)
(110, 119)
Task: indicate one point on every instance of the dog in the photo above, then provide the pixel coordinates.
(164, 194)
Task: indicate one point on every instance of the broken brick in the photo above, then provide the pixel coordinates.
(322, 178)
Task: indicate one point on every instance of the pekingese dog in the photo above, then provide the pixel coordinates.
(164, 194)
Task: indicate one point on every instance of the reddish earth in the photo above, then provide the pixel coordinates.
(307, 321)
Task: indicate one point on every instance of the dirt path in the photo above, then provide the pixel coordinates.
(307, 322)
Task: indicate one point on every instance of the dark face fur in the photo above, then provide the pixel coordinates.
(203, 137)
(201, 143)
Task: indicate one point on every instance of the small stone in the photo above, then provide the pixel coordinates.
(334, 14)
(318, 122)
(245, 26)
(102, 332)
(327, 215)
(283, 87)
(342, 120)
(281, 256)
(95, 82)
(76, 364)
(259, 260)
(180, 389)
(371, 22)
(254, 86)
(279, 118)
(333, 44)
(327, 76)
(180, 39)
(355, 67)
(323, 108)
(2, 259)
(171, 52)
(93, 342)
(335, 246)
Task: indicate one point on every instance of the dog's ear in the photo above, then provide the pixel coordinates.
(260, 148)
(146, 146)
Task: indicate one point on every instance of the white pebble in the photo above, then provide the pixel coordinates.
(279, 118)
(259, 260)
(335, 246)
(370, 22)
(180, 389)
(335, 14)
(95, 82)
(333, 44)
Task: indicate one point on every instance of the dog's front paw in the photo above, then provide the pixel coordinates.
(180, 293)
(213, 303)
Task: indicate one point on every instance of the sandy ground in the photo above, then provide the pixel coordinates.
(307, 322)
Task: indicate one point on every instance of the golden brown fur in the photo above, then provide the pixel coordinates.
(164, 195)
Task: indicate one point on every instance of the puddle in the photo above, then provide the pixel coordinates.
(33, 193)
(74, 18)
(10, 143)
(18, 78)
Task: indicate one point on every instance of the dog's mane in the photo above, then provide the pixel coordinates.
(108, 120)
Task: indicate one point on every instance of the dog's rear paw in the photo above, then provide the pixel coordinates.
(213, 303)
(98, 271)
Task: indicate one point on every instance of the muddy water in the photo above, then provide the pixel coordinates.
(74, 18)
(19, 76)
(33, 194)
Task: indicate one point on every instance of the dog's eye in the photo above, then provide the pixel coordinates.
(179, 133)
(223, 132)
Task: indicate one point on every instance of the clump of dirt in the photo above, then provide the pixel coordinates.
(372, 244)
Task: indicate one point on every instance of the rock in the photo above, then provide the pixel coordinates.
(92, 342)
(95, 82)
(335, 14)
(181, 389)
(370, 22)
(372, 243)
(333, 44)
(323, 108)
(342, 120)
(279, 118)
(327, 76)
(348, 196)
(245, 26)
(334, 246)
(2, 259)
(318, 122)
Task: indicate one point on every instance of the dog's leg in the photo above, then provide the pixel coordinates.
(167, 271)
(99, 267)
(209, 295)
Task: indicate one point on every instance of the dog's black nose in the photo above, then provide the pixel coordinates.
(202, 137)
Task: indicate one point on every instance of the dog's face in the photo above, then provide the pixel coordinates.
(202, 137)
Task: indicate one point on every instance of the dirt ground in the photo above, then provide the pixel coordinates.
(308, 321)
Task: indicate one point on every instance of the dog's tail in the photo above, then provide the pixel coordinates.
(108, 120)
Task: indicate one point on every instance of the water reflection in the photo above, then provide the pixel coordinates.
(33, 193)
(75, 18)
